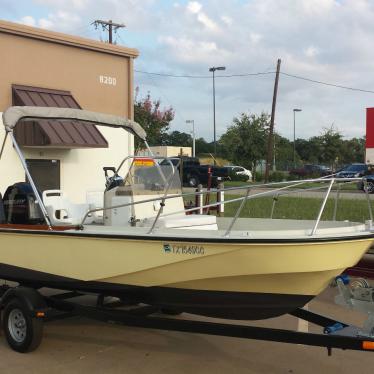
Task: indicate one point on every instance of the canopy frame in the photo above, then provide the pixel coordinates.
(14, 114)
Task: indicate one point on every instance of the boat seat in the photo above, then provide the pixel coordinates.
(95, 200)
(188, 222)
(62, 211)
(2, 212)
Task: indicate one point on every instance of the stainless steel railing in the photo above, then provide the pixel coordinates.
(278, 191)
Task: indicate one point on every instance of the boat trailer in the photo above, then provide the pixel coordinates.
(24, 311)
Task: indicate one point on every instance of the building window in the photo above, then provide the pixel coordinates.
(45, 173)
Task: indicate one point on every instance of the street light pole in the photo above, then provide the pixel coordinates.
(213, 69)
(193, 137)
(294, 136)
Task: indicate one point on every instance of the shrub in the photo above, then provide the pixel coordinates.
(259, 177)
(277, 176)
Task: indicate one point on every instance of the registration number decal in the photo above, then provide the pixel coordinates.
(184, 249)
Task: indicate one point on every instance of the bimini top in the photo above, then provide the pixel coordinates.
(22, 113)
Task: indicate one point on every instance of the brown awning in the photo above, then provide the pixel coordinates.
(53, 133)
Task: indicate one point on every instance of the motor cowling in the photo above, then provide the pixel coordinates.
(21, 206)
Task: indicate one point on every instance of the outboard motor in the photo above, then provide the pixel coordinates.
(20, 205)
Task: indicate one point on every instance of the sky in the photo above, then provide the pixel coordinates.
(329, 41)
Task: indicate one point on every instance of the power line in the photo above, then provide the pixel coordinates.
(255, 74)
(326, 83)
(177, 112)
(202, 76)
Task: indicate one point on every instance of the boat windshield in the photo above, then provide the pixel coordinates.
(148, 178)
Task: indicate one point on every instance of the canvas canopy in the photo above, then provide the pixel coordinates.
(15, 114)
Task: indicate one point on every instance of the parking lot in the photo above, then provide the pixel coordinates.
(79, 345)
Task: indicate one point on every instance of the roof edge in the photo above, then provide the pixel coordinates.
(65, 39)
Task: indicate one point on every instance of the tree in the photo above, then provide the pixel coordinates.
(202, 146)
(283, 153)
(308, 150)
(331, 145)
(178, 138)
(353, 150)
(245, 140)
(153, 120)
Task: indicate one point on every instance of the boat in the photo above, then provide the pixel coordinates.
(143, 245)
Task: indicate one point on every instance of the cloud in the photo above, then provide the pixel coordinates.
(28, 20)
(195, 8)
(227, 20)
(311, 51)
(187, 50)
(327, 40)
(254, 37)
(60, 20)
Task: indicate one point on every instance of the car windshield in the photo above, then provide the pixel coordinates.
(356, 167)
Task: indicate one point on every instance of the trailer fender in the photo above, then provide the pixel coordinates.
(29, 297)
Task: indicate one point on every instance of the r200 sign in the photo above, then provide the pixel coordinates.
(104, 79)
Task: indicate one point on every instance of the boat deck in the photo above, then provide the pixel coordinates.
(245, 228)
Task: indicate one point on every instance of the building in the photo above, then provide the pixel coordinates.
(167, 151)
(44, 68)
(369, 154)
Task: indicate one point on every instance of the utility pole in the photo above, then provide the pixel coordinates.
(109, 26)
(269, 155)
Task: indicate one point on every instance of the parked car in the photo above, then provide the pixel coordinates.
(240, 170)
(370, 184)
(310, 170)
(193, 173)
(369, 178)
(353, 171)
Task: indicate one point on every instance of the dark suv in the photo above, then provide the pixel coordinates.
(353, 171)
(310, 170)
(193, 173)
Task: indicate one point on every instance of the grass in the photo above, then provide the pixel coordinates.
(343, 186)
(237, 183)
(300, 208)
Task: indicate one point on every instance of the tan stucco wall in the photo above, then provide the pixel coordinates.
(35, 57)
(81, 169)
(41, 63)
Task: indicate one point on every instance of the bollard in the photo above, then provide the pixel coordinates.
(220, 198)
(200, 198)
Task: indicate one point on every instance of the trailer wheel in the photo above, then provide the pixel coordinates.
(22, 331)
